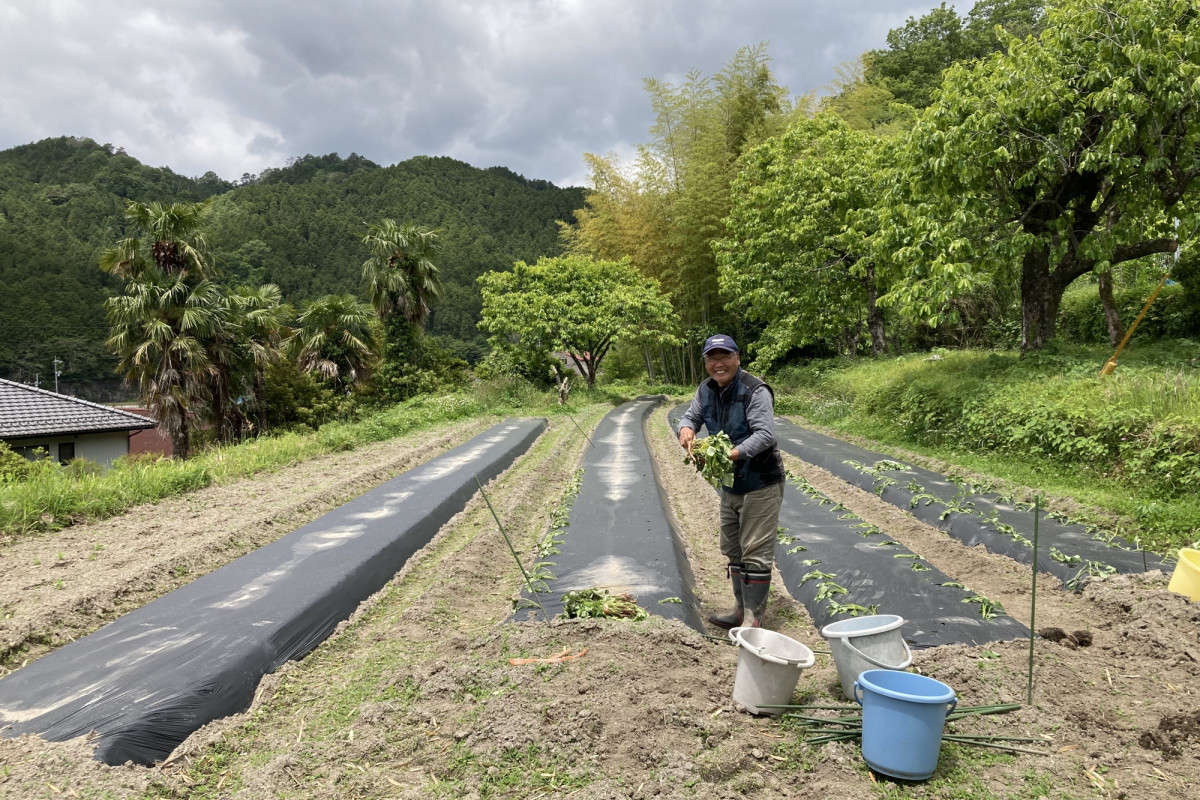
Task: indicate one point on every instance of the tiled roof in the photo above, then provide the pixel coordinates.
(26, 411)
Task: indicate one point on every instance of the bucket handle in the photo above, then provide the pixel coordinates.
(762, 653)
(858, 698)
(904, 665)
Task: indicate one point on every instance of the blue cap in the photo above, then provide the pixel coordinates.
(719, 341)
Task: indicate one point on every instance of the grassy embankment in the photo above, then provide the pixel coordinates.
(51, 497)
(1127, 444)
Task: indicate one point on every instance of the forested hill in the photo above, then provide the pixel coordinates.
(62, 201)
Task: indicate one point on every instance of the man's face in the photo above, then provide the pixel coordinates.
(722, 365)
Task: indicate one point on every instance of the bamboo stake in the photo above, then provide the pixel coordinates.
(581, 430)
(511, 549)
(1037, 507)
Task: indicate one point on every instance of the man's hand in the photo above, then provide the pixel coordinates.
(734, 455)
(686, 437)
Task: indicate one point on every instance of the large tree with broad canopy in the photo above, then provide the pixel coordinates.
(1061, 156)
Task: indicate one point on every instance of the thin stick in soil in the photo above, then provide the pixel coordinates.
(511, 549)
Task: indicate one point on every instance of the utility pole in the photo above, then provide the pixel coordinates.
(57, 372)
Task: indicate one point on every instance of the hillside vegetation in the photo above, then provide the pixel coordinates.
(62, 202)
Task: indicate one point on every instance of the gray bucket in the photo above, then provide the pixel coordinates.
(864, 643)
(769, 666)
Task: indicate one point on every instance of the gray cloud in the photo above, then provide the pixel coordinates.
(236, 86)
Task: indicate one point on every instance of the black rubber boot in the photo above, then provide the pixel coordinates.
(733, 618)
(755, 586)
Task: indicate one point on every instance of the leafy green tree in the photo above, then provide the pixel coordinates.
(865, 105)
(798, 257)
(577, 305)
(918, 54)
(332, 339)
(1062, 156)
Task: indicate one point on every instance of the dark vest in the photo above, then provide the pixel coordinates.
(726, 410)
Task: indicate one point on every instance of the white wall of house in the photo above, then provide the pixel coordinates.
(99, 447)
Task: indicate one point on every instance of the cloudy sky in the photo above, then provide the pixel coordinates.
(236, 86)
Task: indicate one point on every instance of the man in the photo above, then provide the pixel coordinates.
(736, 402)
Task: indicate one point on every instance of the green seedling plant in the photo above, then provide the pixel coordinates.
(710, 457)
(828, 589)
(922, 496)
(1063, 558)
(987, 608)
(853, 609)
(1090, 569)
(816, 575)
(868, 529)
(797, 549)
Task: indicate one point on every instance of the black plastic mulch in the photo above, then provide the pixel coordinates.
(619, 536)
(148, 680)
(839, 566)
(1068, 551)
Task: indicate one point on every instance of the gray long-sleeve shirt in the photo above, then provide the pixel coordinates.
(760, 415)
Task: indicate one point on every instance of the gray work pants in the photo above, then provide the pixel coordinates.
(749, 523)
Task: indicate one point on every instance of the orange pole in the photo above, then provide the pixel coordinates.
(1112, 362)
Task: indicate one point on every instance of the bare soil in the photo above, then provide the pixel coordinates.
(416, 696)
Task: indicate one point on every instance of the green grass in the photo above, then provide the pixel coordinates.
(1128, 444)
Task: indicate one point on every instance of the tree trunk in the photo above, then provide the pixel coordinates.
(874, 315)
(180, 443)
(1039, 303)
(1112, 317)
(649, 363)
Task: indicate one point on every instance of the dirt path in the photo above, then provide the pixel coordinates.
(415, 697)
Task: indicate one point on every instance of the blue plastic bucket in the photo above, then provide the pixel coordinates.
(903, 717)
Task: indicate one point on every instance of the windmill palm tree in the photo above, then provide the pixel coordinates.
(171, 241)
(402, 282)
(171, 328)
(261, 317)
(401, 276)
(333, 339)
(160, 331)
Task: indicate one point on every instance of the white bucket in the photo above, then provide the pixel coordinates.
(769, 664)
(864, 643)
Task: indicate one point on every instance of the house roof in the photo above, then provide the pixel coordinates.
(26, 411)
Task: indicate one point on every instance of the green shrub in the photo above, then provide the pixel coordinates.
(1141, 424)
(13, 466)
(1081, 316)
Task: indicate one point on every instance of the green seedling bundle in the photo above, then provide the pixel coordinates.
(710, 456)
